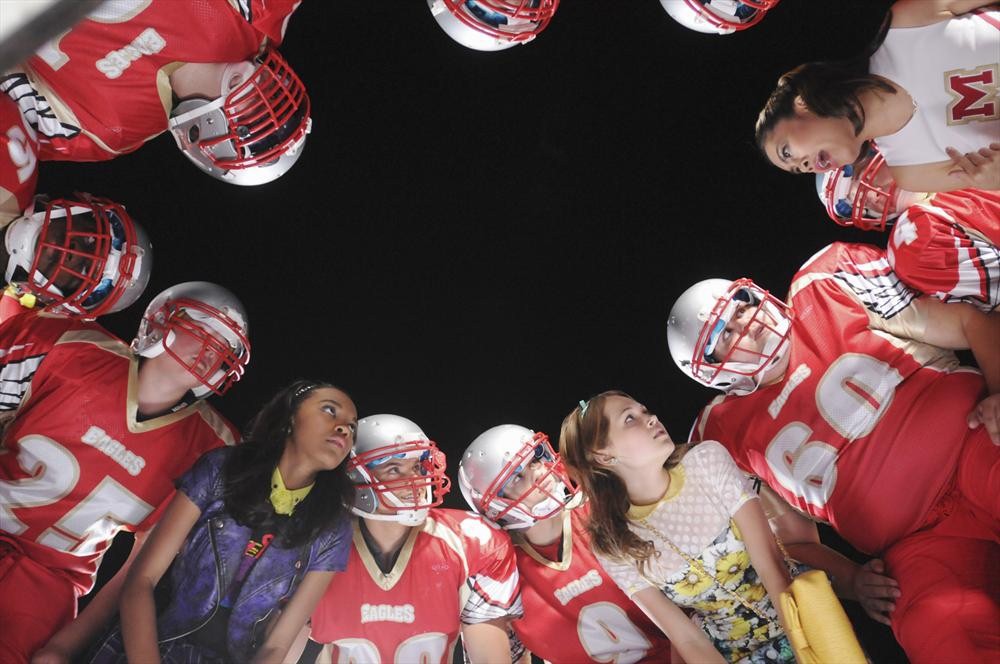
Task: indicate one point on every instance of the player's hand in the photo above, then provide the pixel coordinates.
(987, 414)
(51, 655)
(875, 591)
(980, 169)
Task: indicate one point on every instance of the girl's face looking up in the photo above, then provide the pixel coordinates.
(636, 438)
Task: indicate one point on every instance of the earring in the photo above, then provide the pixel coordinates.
(613, 460)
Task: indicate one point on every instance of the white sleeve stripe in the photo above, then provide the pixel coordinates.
(15, 379)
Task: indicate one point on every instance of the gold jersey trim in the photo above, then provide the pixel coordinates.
(108, 343)
(566, 557)
(385, 581)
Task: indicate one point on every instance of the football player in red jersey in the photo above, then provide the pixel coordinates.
(418, 574)
(943, 244)
(97, 432)
(80, 256)
(846, 403)
(206, 69)
(511, 476)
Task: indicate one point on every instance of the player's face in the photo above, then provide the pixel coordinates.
(807, 143)
(398, 469)
(323, 429)
(875, 202)
(635, 436)
(74, 259)
(745, 335)
(521, 486)
(197, 357)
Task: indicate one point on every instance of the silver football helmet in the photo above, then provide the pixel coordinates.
(211, 315)
(379, 439)
(496, 458)
(252, 135)
(492, 25)
(699, 324)
(719, 17)
(80, 255)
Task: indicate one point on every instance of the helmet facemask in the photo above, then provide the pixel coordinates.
(420, 491)
(553, 483)
(224, 350)
(864, 195)
(742, 367)
(83, 253)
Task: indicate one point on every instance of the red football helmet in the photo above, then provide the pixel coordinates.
(81, 255)
(863, 194)
(721, 17)
(492, 25)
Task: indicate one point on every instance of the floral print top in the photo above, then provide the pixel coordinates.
(706, 489)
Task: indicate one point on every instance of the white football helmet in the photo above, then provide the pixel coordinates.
(254, 134)
(82, 256)
(380, 438)
(211, 315)
(499, 455)
(863, 194)
(700, 319)
(719, 17)
(492, 25)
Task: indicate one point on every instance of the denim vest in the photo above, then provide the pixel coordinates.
(200, 577)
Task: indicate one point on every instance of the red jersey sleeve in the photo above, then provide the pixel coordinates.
(25, 340)
(493, 582)
(268, 17)
(18, 159)
(947, 248)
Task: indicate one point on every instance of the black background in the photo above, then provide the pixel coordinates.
(472, 239)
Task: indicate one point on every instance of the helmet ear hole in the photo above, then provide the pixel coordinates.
(194, 133)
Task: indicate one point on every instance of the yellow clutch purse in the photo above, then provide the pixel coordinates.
(817, 627)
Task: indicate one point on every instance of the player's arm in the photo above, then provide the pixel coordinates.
(978, 170)
(764, 553)
(487, 642)
(71, 640)
(293, 618)
(25, 342)
(692, 644)
(915, 13)
(866, 584)
(138, 609)
(957, 325)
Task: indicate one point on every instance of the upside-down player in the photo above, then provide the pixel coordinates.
(79, 255)
(206, 69)
(943, 244)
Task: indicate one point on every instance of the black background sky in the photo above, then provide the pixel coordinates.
(472, 239)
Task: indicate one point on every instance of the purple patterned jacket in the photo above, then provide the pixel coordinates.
(202, 571)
